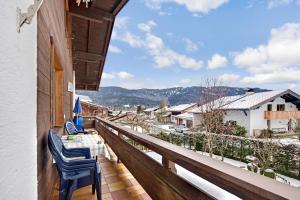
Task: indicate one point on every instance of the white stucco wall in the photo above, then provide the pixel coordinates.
(18, 105)
(240, 117)
(197, 118)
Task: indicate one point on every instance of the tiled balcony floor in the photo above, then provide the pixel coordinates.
(117, 184)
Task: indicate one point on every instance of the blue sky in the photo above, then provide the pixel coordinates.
(167, 43)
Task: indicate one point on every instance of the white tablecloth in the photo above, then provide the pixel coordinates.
(91, 141)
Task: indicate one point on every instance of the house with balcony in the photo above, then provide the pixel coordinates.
(277, 111)
(179, 109)
(57, 47)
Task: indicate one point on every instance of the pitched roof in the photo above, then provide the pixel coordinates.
(186, 116)
(151, 109)
(256, 99)
(181, 107)
(252, 100)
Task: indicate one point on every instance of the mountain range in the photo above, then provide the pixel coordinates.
(117, 97)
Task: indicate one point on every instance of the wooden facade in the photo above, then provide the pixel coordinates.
(54, 71)
(69, 38)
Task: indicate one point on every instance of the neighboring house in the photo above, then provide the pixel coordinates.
(184, 119)
(151, 111)
(83, 98)
(274, 110)
(180, 109)
(91, 109)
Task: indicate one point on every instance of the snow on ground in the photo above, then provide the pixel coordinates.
(287, 141)
(206, 186)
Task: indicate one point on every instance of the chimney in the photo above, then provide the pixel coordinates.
(249, 91)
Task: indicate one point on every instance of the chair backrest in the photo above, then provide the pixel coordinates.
(55, 146)
(71, 128)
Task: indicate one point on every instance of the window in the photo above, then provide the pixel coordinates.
(57, 94)
(269, 107)
(280, 107)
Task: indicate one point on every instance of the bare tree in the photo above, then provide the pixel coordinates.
(212, 115)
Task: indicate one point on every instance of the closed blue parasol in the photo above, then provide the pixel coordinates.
(77, 108)
(78, 120)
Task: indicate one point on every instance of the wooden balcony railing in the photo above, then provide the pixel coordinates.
(161, 182)
(269, 115)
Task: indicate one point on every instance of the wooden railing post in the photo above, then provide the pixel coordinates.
(169, 165)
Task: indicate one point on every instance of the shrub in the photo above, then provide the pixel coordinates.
(269, 173)
(239, 131)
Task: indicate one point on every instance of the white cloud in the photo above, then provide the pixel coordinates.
(276, 3)
(121, 22)
(107, 76)
(162, 55)
(133, 40)
(120, 75)
(185, 81)
(124, 75)
(190, 45)
(202, 6)
(114, 49)
(229, 78)
(146, 27)
(278, 61)
(217, 61)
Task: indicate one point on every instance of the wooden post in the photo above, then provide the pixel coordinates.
(169, 165)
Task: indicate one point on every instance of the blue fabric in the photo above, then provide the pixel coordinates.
(74, 174)
(78, 121)
(77, 108)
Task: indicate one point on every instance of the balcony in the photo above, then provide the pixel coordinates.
(160, 180)
(273, 115)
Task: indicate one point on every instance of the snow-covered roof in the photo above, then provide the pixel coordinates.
(217, 103)
(186, 116)
(151, 109)
(250, 100)
(83, 98)
(255, 99)
(181, 107)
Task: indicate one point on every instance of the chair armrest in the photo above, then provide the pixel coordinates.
(76, 152)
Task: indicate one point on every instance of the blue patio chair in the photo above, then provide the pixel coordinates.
(71, 128)
(74, 174)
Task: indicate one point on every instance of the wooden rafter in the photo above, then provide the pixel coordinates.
(91, 13)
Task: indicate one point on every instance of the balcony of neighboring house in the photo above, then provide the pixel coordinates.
(277, 115)
(151, 168)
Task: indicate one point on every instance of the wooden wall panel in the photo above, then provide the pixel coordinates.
(51, 24)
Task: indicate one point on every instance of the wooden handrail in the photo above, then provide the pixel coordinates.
(244, 184)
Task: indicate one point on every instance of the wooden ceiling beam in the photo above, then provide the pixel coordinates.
(91, 13)
(87, 57)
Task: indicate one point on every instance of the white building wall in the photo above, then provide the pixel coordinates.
(242, 118)
(18, 92)
(257, 120)
(197, 118)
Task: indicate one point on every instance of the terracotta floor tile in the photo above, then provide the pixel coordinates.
(116, 186)
(112, 179)
(104, 189)
(120, 194)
